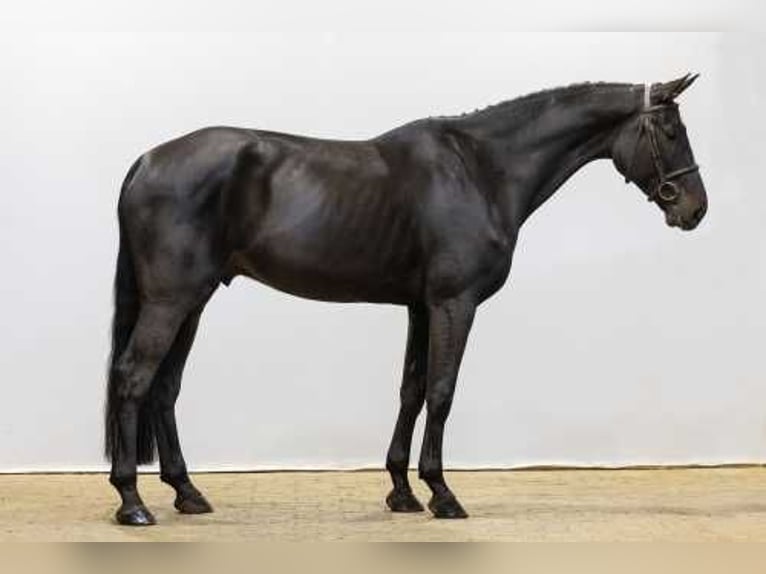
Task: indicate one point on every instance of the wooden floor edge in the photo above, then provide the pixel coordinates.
(528, 468)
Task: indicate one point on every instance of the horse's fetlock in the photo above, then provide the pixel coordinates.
(124, 482)
(431, 473)
(176, 480)
(397, 463)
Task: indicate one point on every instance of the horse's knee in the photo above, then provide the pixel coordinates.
(439, 401)
(412, 396)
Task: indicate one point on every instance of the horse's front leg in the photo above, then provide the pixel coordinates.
(412, 396)
(449, 324)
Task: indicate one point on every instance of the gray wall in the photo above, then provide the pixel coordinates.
(616, 341)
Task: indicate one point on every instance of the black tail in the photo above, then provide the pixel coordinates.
(126, 308)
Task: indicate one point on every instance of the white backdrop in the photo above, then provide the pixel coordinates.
(616, 341)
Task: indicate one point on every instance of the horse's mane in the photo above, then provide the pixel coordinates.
(539, 97)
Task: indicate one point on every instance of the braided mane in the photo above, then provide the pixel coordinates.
(536, 98)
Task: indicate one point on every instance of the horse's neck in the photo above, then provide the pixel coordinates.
(536, 143)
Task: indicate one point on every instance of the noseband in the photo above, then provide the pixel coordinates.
(666, 190)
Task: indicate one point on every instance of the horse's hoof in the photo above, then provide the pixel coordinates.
(193, 505)
(135, 516)
(403, 501)
(446, 507)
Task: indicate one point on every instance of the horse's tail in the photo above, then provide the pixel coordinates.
(126, 308)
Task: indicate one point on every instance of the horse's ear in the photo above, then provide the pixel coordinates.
(669, 91)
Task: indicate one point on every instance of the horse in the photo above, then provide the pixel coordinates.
(426, 216)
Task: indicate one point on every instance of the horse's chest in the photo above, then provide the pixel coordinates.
(481, 267)
(497, 270)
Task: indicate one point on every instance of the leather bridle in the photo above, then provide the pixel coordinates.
(666, 189)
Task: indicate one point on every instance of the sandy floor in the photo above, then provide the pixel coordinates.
(603, 505)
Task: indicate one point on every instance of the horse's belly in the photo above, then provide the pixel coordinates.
(314, 271)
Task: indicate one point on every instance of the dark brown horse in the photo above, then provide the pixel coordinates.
(426, 216)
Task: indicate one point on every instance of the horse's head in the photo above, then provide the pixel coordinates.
(652, 150)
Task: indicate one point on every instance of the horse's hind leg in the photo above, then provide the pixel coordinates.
(150, 341)
(165, 389)
(412, 395)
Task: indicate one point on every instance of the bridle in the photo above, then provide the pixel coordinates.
(666, 189)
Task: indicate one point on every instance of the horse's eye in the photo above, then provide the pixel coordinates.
(669, 128)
